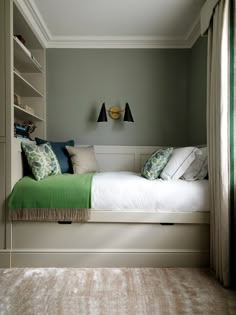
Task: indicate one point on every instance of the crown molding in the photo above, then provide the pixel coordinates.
(31, 13)
(116, 42)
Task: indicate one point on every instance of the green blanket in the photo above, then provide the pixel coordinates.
(64, 197)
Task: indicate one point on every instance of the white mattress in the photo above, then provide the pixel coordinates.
(127, 190)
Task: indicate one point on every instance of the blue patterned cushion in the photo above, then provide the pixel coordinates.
(156, 163)
(59, 148)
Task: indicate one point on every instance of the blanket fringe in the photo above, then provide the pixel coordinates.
(51, 214)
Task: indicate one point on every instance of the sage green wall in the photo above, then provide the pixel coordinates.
(155, 83)
(197, 92)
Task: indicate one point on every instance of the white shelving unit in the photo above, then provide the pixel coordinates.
(28, 74)
(23, 75)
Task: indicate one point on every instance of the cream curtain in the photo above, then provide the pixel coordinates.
(218, 106)
(206, 14)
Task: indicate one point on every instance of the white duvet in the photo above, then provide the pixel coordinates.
(127, 190)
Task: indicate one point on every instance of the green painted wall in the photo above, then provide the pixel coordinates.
(166, 91)
(155, 83)
(197, 92)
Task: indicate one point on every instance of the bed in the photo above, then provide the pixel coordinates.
(129, 190)
(150, 235)
(70, 197)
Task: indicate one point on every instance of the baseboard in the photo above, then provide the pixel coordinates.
(4, 259)
(136, 259)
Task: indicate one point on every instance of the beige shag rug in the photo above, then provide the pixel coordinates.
(78, 291)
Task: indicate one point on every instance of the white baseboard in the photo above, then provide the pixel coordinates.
(4, 259)
(109, 259)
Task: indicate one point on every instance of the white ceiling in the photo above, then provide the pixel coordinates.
(67, 22)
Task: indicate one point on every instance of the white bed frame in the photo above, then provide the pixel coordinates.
(110, 239)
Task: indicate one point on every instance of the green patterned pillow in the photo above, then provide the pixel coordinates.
(41, 159)
(155, 164)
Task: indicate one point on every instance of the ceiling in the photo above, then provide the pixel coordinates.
(72, 23)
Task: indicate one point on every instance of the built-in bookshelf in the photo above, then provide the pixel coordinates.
(22, 100)
(28, 76)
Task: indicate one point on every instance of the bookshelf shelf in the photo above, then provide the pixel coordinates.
(23, 60)
(23, 114)
(24, 88)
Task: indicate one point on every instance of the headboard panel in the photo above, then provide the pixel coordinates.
(109, 158)
(122, 158)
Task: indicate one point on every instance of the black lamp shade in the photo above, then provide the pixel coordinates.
(128, 116)
(103, 115)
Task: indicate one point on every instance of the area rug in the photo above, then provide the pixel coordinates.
(113, 291)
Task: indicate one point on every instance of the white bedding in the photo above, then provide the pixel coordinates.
(127, 190)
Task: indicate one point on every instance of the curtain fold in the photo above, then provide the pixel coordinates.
(232, 139)
(206, 14)
(218, 106)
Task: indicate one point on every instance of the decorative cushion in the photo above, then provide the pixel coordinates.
(41, 159)
(26, 168)
(59, 148)
(83, 159)
(178, 163)
(155, 164)
(199, 167)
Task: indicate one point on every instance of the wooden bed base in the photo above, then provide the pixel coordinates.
(110, 238)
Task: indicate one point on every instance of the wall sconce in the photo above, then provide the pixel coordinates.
(115, 113)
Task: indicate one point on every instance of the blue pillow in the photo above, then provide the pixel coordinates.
(59, 148)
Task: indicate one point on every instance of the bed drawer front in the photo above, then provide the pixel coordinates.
(113, 236)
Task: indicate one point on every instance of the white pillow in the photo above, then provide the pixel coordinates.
(83, 159)
(199, 168)
(178, 163)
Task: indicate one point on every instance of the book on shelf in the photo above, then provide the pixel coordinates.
(27, 108)
(22, 138)
(23, 46)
